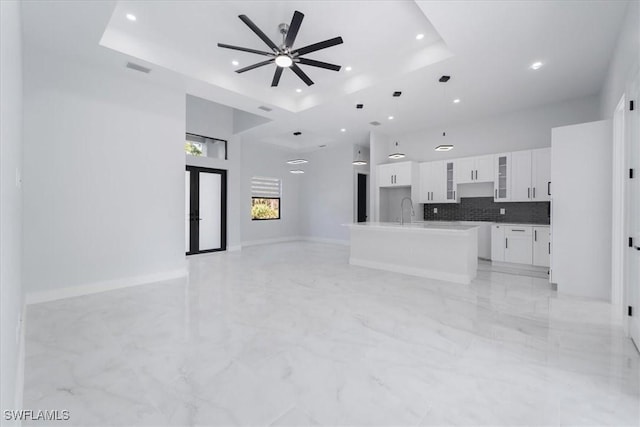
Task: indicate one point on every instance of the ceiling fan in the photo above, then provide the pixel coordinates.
(284, 56)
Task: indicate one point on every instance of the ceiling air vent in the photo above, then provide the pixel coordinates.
(444, 79)
(375, 123)
(298, 133)
(359, 106)
(397, 93)
(263, 108)
(137, 67)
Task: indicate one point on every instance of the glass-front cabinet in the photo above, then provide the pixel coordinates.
(451, 182)
(501, 190)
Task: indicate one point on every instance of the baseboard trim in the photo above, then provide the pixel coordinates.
(234, 248)
(271, 241)
(103, 286)
(324, 240)
(412, 271)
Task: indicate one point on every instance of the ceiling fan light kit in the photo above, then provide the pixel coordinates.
(284, 56)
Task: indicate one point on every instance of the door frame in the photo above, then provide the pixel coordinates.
(193, 230)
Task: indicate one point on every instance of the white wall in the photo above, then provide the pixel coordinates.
(11, 295)
(207, 118)
(624, 62)
(581, 209)
(520, 130)
(259, 159)
(327, 194)
(103, 178)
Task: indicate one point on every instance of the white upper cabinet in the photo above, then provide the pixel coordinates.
(502, 177)
(474, 169)
(541, 175)
(437, 182)
(395, 174)
(521, 190)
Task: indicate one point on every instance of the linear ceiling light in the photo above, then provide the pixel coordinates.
(297, 161)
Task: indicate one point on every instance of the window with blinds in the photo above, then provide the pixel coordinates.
(265, 198)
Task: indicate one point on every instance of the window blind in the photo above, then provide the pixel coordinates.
(265, 187)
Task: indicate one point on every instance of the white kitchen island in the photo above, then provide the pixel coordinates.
(438, 251)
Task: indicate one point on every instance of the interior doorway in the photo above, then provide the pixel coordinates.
(361, 205)
(205, 210)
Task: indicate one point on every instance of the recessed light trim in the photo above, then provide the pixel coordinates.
(298, 90)
(343, 130)
(235, 63)
(131, 17)
(390, 117)
(348, 68)
(419, 36)
(444, 147)
(536, 65)
(456, 101)
(297, 161)
(296, 171)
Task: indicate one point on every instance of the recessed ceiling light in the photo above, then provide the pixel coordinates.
(347, 68)
(131, 17)
(536, 65)
(343, 130)
(298, 90)
(456, 101)
(419, 36)
(444, 147)
(297, 161)
(235, 63)
(390, 117)
(296, 171)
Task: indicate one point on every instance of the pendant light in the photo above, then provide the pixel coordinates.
(397, 154)
(358, 161)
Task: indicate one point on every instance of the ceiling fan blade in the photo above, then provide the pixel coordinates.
(244, 49)
(314, 63)
(317, 46)
(292, 32)
(259, 64)
(301, 74)
(258, 32)
(276, 76)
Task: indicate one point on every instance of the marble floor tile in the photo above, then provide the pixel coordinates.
(292, 335)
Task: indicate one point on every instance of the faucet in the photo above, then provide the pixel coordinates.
(402, 209)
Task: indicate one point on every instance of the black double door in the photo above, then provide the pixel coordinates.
(205, 210)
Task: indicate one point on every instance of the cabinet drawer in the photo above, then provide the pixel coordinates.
(516, 230)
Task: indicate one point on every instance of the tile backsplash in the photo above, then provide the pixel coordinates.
(485, 209)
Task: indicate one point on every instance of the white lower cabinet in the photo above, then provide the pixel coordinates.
(520, 244)
(497, 243)
(541, 246)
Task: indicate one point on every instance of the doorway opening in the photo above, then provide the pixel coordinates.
(361, 195)
(205, 210)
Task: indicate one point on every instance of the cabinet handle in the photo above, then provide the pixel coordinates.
(506, 243)
(548, 188)
(549, 248)
(476, 174)
(517, 229)
(535, 235)
(534, 192)
(471, 175)
(454, 194)
(432, 195)
(529, 193)
(496, 193)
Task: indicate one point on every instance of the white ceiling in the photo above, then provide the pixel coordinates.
(486, 47)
